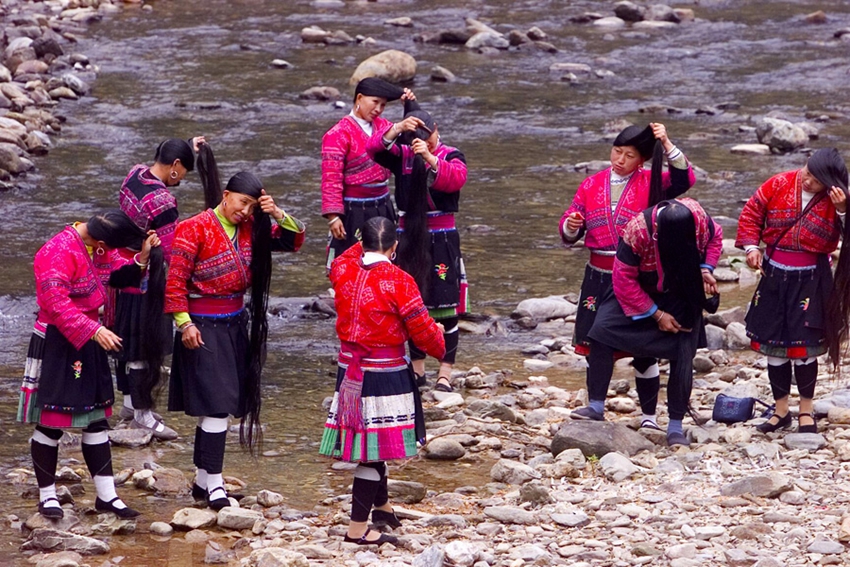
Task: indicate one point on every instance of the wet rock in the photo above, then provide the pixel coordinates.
(512, 472)
(780, 135)
(11, 162)
(65, 524)
(403, 22)
(47, 45)
(598, 438)
(267, 498)
(685, 15)
(277, 557)
(320, 93)
(516, 38)
(736, 337)
(444, 450)
(545, 308)
(193, 518)
(391, 65)
(818, 17)
(577, 68)
(314, 34)
(169, 481)
(536, 34)
(46, 539)
(113, 525)
(807, 441)
(406, 491)
(61, 559)
(662, 13)
(487, 39)
(442, 75)
(510, 515)
(238, 518)
(752, 149)
(629, 12)
(161, 529)
(769, 485)
(281, 64)
(76, 84)
(34, 67)
(450, 37)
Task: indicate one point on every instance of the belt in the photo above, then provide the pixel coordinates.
(602, 261)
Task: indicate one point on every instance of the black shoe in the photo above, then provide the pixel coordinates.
(677, 439)
(587, 413)
(768, 427)
(813, 428)
(382, 519)
(220, 502)
(124, 513)
(52, 512)
(444, 386)
(379, 542)
(198, 493)
(421, 381)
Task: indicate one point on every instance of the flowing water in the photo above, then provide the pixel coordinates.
(203, 67)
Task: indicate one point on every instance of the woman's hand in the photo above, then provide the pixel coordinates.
(709, 283)
(574, 222)
(838, 198)
(107, 339)
(660, 133)
(667, 322)
(337, 227)
(420, 147)
(267, 205)
(409, 124)
(152, 241)
(442, 328)
(197, 141)
(191, 337)
(754, 259)
(408, 95)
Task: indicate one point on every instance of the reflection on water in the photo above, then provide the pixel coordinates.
(196, 67)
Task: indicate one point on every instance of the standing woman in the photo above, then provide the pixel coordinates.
(67, 381)
(797, 312)
(354, 188)
(218, 255)
(146, 198)
(662, 273)
(376, 414)
(428, 178)
(602, 206)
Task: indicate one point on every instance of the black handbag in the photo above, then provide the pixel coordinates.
(728, 409)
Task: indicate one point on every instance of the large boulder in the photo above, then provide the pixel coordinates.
(545, 308)
(781, 135)
(598, 438)
(406, 491)
(391, 65)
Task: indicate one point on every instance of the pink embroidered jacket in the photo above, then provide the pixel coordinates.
(347, 170)
(70, 287)
(150, 204)
(634, 299)
(593, 201)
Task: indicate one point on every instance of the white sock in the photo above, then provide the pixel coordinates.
(215, 481)
(647, 417)
(105, 487)
(201, 478)
(48, 492)
(146, 418)
(128, 401)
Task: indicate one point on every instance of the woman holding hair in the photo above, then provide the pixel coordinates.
(67, 381)
(798, 312)
(604, 203)
(146, 198)
(428, 178)
(354, 188)
(218, 255)
(376, 414)
(662, 273)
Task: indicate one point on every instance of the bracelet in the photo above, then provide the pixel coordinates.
(140, 264)
(94, 337)
(186, 326)
(660, 316)
(333, 220)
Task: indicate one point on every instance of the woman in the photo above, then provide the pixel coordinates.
(602, 206)
(800, 217)
(428, 178)
(217, 256)
(67, 382)
(662, 273)
(146, 198)
(376, 414)
(354, 188)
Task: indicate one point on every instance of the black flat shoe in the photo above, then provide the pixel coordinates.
(421, 381)
(125, 513)
(379, 542)
(382, 519)
(768, 427)
(220, 502)
(51, 512)
(198, 493)
(813, 428)
(443, 385)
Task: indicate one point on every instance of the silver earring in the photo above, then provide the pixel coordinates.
(100, 251)
(392, 258)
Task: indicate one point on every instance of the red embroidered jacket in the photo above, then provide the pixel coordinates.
(593, 201)
(70, 287)
(640, 256)
(205, 262)
(775, 206)
(150, 204)
(380, 306)
(347, 170)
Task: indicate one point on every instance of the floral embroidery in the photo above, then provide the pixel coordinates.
(78, 370)
(442, 271)
(805, 304)
(590, 303)
(756, 299)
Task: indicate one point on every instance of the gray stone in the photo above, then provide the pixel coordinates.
(460, 553)
(575, 519)
(487, 39)
(715, 337)
(406, 491)
(403, 22)
(807, 441)
(662, 13)
(738, 558)
(450, 520)
(512, 472)
(725, 275)
(491, 409)
(76, 84)
(433, 556)
(65, 524)
(780, 135)
(736, 337)
(510, 515)
(545, 308)
(779, 518)
(534, 365)
(238, 518)
(709, 532)
(161, 529)
(442, 75)
(46, 539)
(132, 438)
(277, 557)
(444, 450)
(617, 467)
(703, 364)
(170, 482)
(769, 485)
(751, 149)
(113, 525)
(312, 551)
(535, 493)
(193, 518)
(687, 550)
(320, 93)
(598, 438)
(572, 457)
(391, 65)
(267, 498)
(629, 11)
(61, 559)
(531, 554)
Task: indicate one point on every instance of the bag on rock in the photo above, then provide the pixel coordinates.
(728, 409)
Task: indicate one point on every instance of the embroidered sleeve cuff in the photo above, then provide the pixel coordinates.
(749, 248)
(649, 313)
(708, 267)
(290, 223)
(677, 159)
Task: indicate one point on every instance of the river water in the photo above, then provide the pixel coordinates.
(203, 67)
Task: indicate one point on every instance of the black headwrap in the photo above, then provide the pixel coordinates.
(412, 108)
(828, 167)
(641, 138)
(373, 86)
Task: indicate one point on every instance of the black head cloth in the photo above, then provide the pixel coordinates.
(829, 168)
(373, 86)
(412, 108)
(641, 138)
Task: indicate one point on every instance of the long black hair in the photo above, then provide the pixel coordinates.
(643, 139)
(250, 428)
(680, 256)
(173, 149)
(414, 247)
(117, 230)
(378, 234)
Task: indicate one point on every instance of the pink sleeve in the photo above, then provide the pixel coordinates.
(53, 276)
(451, 175)
(751, 221)
(633, 299)
(715, 245)
(375, 145)
(334, 150)
(577, 206)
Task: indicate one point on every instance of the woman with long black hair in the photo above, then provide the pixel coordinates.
(67, 381)
(146, 197)
(798, 312)
(429, 176)
(217, 256)
(662, 273)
